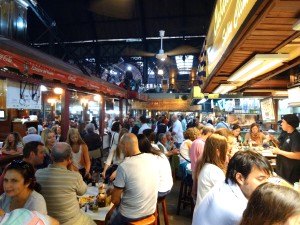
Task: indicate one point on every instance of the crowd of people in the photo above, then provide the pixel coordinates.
(143, 160)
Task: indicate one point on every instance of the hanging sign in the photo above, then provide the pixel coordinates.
(22, 95)
(227, 19)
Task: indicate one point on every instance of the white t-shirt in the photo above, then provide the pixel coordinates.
(209, 176)
(143, 127)
(185, 151)
(165, 174)
(177, 127)
(138, 175)
(224, 204)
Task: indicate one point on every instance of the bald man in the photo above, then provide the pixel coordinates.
(136, 184)
(60, 188)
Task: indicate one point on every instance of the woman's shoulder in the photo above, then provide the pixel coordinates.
(36, 196)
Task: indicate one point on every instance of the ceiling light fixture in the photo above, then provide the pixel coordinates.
(160, 72)
(296, 26)
(258, 65)
(224, 88)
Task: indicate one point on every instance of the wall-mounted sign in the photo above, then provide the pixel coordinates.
(22, 95)
(227, 19)
(167, 105)
(267, 110)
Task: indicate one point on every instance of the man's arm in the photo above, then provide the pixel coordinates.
(116, 195)
(290, 155)
(81, 187)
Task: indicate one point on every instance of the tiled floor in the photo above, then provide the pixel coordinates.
(185, 215)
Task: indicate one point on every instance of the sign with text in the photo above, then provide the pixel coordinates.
(267, 110)
(227, 19)
(167, 105)
(22, 95)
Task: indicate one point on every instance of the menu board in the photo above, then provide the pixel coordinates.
(267, 110)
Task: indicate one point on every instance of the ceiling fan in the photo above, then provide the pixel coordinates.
(162, 55)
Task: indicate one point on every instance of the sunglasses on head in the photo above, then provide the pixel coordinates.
(20, 164)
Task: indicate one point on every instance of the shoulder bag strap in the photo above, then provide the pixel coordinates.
(112, 140)
(184, 158)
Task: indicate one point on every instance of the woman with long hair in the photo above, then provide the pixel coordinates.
(236, 130)
(272, 204)
(80, 154)
(49, 140)
(211, 168)
(114, 157)
(119, 154)
(255, 137)
(13, 144)
(165, 174)
(21, 189)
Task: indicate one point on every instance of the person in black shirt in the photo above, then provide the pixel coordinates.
(288, 153)
(93, 141)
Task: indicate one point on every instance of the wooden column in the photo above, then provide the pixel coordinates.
(121, 110)
(102, 115)
(85, 114)
(65, 113)
(275, 127)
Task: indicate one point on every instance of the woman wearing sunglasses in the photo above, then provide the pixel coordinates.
(20, 189)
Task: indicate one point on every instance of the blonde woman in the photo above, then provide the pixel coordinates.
(114, 158)
(190, 135)
(49, 140)
(211, 168)
(80, 153)
(13, 144)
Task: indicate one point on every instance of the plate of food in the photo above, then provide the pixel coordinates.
(85, 199)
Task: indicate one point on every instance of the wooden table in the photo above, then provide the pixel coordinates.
(99, 216)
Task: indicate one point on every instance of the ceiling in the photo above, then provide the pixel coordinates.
(268, 31)
(95, 34)
(80, 20)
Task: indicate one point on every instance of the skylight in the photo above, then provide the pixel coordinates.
(184, 63)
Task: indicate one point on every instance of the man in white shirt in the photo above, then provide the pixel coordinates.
(31, 135)
(225, 203)
(177, 131)
(136, 185)
(144, 124)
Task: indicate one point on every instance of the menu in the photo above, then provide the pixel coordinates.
(267, 110)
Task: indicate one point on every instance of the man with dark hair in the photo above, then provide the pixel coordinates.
(288, 153)
(33, 153)
(60, 188)
(225, 203)
(144, 124)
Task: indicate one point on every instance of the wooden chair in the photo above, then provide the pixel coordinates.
(163, 202)
(150, 220)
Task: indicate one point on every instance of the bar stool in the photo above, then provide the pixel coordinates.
(150, 220)
(163, 202)
(185, 194)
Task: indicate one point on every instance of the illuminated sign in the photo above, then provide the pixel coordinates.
(227, 20)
